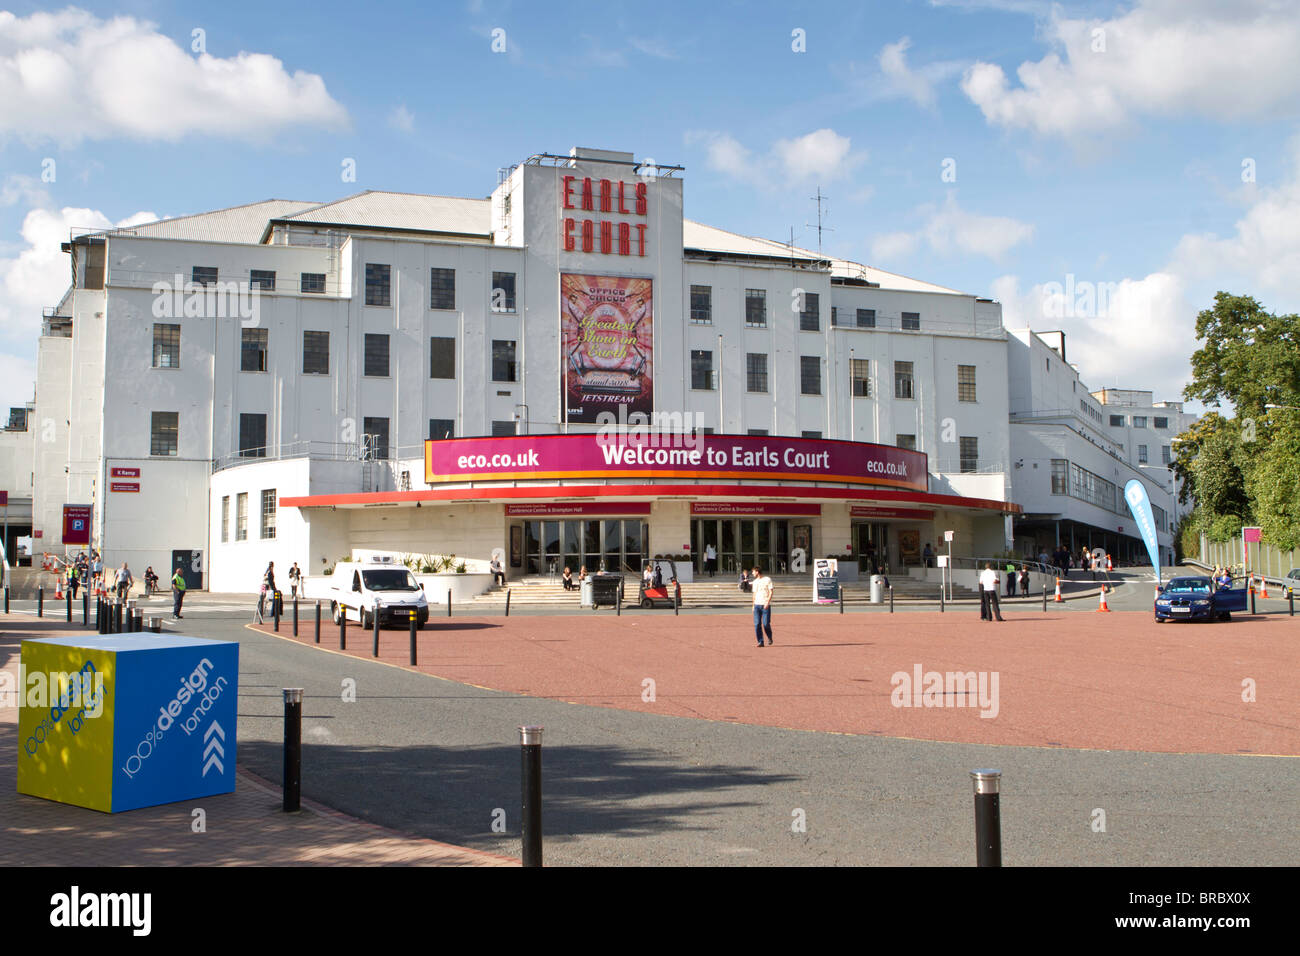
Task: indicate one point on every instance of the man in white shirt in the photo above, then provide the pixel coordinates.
(989, 594)
(763, 588)
(710, 559)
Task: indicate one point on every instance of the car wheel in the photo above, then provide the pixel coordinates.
(367, 620)
(645, 602)
(1225, 616)
(334, 612)
(1159, 619)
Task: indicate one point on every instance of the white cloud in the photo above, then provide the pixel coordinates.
(949, 229)
(70, 76)
(402, 119)
(27, 190)
(1226, 59)
(822, 156)
(917, 85)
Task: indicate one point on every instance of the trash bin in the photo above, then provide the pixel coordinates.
(604, 589)
(584, 592)
(877, 588)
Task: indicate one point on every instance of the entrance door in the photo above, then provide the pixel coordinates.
(191, 565)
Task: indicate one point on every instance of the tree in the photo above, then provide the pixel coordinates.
(1274, 487)
(1250, 357)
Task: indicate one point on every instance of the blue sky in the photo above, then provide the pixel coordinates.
(1101, 155)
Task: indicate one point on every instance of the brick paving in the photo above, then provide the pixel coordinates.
(242, 828)
(1114, 681)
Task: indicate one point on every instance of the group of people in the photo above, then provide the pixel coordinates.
(1066, 560)
(87, 571)
(1222, 578)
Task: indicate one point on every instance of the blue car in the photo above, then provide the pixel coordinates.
(1198, 599)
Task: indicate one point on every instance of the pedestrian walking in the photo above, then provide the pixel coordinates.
(178, 592)
(710, 559)
(268, 585)
(1011, 580)
(73, 581)
(97, 571)
(123, 582)
(295, 579)
(989, 594)
(762, 588)
(1024, 581)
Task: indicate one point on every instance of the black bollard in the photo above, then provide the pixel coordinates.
(295, 615)
(6, 599)
(374, 646)
(891, 599)
(117, 617)
(40, 602)
(449, 602)
(414, 625)
(677, 598)
(841, 600)
(343, 628)
(618, 600)
(318, 622)
(988, 817)
(275, 609)
(85, 609)
(507, 602)
(1290, 601)
(67, 597)
(941, 599)
(530, 745)
(1044, 598)
(292, 748)
(1252, 597)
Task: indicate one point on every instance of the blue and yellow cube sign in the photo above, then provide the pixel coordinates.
(120, 722)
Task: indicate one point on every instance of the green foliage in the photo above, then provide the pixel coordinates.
(1223, 528)
(1275, 489)
(1249, 357)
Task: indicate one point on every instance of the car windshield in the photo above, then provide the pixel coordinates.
(1194, 585)
(389, 579)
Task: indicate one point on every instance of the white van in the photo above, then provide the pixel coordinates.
(359, 587)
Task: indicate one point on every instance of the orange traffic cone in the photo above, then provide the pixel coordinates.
(1263, 586)
(1103, 606)
(1108, 564)
(58, 589)
(1058, 591)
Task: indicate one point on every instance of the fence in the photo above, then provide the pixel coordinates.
(1265, 559)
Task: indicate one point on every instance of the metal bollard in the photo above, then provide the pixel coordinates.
(67, 597)
(618, 601)
(841, 599)
(374, 644)
(530, 745)
(292, 748)
(942, 602)
(891, 599)
(295, 615)
(1290, 601)
(449, 602)
(1044, 598)
(40, 601)
(988, 817)
(507, 602)
(343, 628)
(6, 599)
(1252, 598)
(677, 599)
(318, 622)
(85, 609)
(275, 609)
(414, 626)
(117, 617)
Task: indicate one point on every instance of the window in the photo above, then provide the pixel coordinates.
(810, 316)
(903, 380)
(204, 275)
(860, 377)
(241, 516)
(501, 429)
(441, 428)
(263, 279)
(376, 355)
(312, 282)
(1165, 457)
(1117, 421)
(252, 350)
(268, 513)
(702, 304)
(225, 519)
(970, 453)
(163, 433)
(503, 292)
(315, 353)
(905, 441)
(1060, 478)
(755, 372)
(810, 434)
(835, 316)
(701, 369)
(756, 308)
(1142, 454)
(503, 360)
(166, 345)
(810, 375)
(442, 357)
(866, 318)
(252, 436)
(376, 431)
(442, 288)
(1161, 422)
(1094, 489)
(912, 321)
(756, 431)
(1139, 421)
(378, 284)
(965, 383)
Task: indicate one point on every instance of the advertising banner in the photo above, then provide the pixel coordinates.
(722, 508)
(1138, 503)
(826, 581)
(578, 508)
(120, 722)
(76, 524)
(607, 342)
(525, 457)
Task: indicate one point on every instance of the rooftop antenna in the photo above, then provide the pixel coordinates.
(819, 198)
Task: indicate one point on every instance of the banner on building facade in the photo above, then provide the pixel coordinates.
(607, 342)
(530, 457)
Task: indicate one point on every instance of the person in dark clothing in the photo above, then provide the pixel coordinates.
(1024, 581)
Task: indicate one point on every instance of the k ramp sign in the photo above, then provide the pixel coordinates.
(117, 723)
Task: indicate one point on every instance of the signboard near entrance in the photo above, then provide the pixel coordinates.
(578, 508)
(868, 511)
(755, 508)
(826, 581)
(76, 524)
